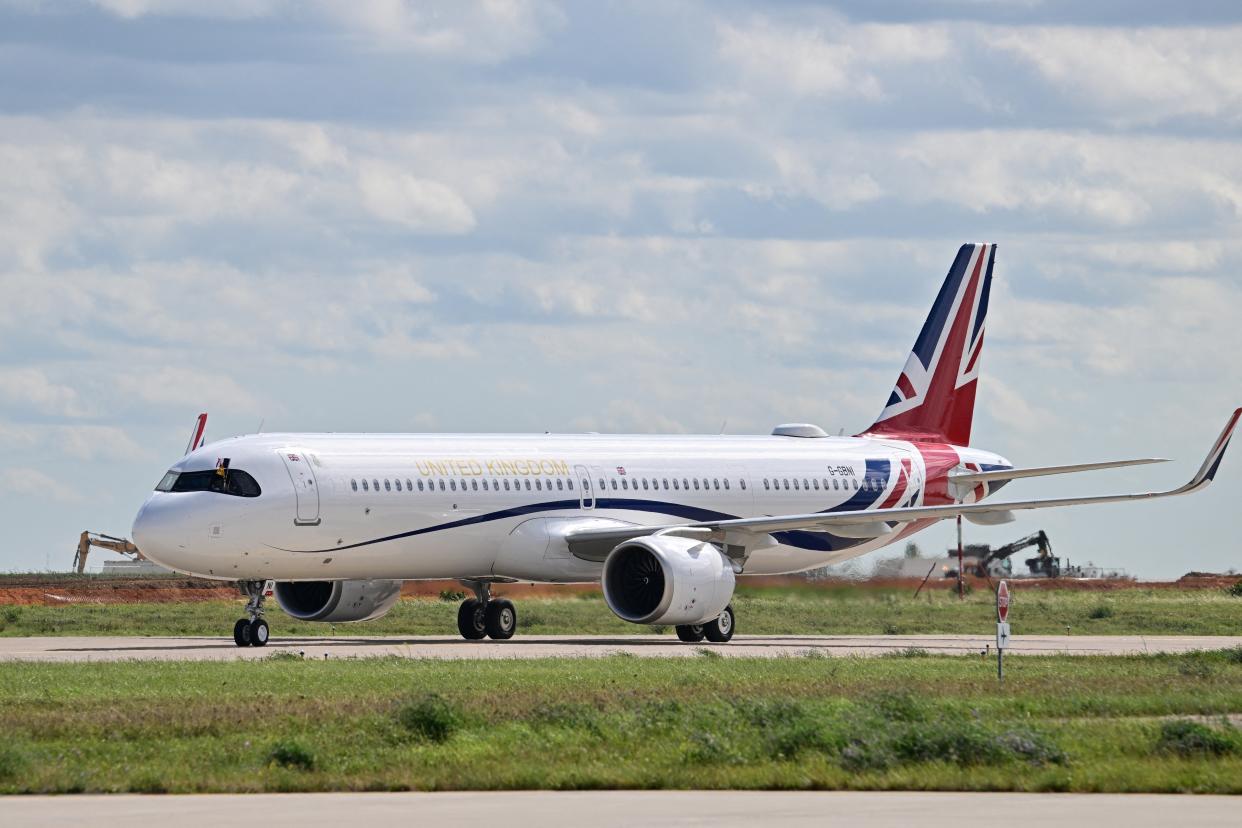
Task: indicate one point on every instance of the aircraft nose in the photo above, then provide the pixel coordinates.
(156, 532)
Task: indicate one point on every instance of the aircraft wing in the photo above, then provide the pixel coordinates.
(1043, 471)
(588, 543)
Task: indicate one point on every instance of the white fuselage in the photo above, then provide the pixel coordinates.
(354, 506)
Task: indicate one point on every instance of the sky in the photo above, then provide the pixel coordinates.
(637, 217)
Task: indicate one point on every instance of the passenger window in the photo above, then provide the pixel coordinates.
(420, 485)
(726, 482)
(528, 485)
(855, 484)
(453, 485)
(614, 484)
(375, 484)
(354, 484)
(560, 484)
(816, 482)
(666, 483)
(715, 484)
(786, 484)
(676, 484)
(696, 484)
(409, 485)
(835, 484)
(795, 484)
(397, 483)
(365, 487)
(644, 484)
(585, 485)
(741, 483)
(765, 483)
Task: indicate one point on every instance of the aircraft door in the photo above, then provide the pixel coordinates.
(305, 488)
(586, 487)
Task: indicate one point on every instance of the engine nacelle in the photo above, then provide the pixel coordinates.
(664, 579)
(337, 600)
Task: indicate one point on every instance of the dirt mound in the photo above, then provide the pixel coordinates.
(47, 590)
(54, 590)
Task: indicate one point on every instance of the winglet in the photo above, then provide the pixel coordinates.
(196, 436)
(1208, 470)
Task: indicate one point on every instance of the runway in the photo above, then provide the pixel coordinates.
(109, 648)
(606, 809)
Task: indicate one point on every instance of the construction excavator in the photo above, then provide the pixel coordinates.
(993, 562)
(122, 546)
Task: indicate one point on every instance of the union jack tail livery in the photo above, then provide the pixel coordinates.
(934, 398)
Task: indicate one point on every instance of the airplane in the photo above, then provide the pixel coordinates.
(665, 524)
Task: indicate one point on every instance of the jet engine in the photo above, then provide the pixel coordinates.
(337, 600)
(664, 579)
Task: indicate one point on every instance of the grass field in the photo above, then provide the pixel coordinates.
(1151, 723)
(783, 610)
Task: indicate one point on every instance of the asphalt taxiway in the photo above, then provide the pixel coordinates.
(606, 809)
(111, 648)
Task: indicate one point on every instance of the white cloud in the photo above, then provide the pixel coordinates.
(78, 442)
(217, 9)
(34, 484)
(832, 60)
(418, 204)
(486, 31)
(1136, 76)
(31, 388)
(185, 388)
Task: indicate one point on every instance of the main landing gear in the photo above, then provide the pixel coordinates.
(251, 631)
(484, 616)
(718, 630)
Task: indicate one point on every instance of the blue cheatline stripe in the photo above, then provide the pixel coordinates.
(876, 470)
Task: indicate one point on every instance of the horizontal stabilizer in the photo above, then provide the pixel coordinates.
(1043, 471)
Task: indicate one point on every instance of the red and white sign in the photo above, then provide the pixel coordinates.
(1002, 602)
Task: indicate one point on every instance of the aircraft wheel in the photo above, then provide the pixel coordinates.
(471, 619)
(500, 619)
(258, 633)
(721, 629)
(241, 632)
(690, 633)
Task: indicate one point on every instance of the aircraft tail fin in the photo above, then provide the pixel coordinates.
(934, 398)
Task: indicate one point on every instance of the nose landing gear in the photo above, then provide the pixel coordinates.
(484, 616)
(252, 630)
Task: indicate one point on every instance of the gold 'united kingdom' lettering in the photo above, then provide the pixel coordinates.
(471, 467)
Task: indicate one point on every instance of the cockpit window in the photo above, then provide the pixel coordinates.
(237, 483)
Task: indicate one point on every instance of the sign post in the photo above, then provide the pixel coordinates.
(961, 582)
(1002, 628)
